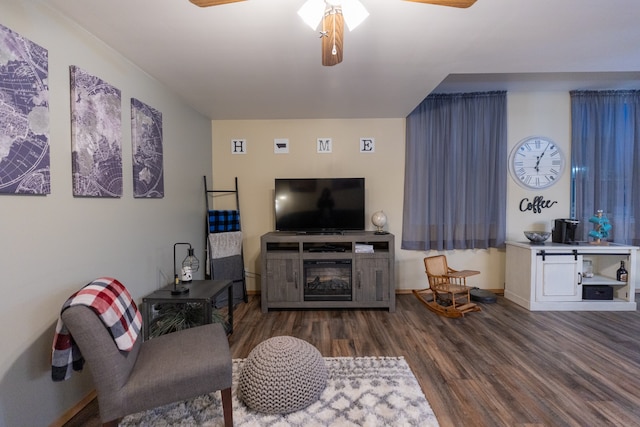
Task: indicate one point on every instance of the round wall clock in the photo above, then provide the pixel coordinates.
(536, 162)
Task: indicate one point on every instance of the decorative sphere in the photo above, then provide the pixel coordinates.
(379, 219)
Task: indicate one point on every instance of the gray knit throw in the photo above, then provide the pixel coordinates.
(282, 375)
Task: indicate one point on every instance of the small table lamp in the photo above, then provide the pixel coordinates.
(188, 266)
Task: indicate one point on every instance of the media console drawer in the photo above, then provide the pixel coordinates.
(597, 292)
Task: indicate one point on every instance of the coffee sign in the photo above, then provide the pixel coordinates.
(536, 205)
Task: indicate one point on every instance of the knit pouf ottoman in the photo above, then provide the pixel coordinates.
(282, 375)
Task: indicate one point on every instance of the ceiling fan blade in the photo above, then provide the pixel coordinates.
(453, 3)
(332, 32)
(207, 3)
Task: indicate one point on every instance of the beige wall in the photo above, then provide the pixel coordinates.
(528, 114)
(52, 245)
(547, 114)
(383, 169)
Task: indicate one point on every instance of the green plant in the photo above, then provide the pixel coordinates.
(176, 317)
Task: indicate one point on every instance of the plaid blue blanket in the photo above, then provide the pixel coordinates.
(113, 304)
(224, 220)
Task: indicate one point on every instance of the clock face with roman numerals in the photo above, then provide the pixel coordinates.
(536, 162)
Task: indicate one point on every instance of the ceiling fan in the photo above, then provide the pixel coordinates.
(452, 3)
(332, 14)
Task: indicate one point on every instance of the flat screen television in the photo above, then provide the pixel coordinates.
(318, 205)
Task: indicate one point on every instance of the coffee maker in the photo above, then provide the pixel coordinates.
(565, 231)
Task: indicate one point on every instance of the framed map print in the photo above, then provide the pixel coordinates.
(146, 141)
(24, 116)
(96, 136)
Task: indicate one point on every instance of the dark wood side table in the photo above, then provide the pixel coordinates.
(200, 291)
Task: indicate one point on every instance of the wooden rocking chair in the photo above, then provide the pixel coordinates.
(448, 294)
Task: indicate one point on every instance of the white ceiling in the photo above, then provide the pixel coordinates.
(258, 60)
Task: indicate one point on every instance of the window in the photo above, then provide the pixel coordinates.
(605, 158)
(455, 173)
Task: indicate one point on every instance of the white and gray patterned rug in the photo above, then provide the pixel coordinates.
(361, 391)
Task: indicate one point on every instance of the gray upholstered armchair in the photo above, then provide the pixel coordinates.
(166, 369)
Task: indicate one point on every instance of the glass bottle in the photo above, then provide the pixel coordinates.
(621, 274)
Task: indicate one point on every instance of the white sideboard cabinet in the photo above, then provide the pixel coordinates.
(550, 276)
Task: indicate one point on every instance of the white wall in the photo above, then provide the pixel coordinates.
(52, 245)
(545, 114)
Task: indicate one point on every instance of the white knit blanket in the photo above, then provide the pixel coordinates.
(225, 244)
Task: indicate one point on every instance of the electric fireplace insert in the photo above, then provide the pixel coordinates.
(327, 280)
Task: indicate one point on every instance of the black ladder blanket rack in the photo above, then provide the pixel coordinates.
(224, 244)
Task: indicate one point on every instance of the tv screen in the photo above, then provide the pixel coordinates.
(319, 204)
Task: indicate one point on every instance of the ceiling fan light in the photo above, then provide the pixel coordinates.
(312, 12)
(354, 13)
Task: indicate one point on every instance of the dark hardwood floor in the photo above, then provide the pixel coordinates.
(503, 366)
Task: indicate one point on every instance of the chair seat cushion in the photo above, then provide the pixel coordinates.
(178, 366)
(282, 375)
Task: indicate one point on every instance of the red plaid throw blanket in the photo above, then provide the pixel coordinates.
(113, 304)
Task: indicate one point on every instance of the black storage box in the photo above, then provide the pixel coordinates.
(482, 295)
(598, 292)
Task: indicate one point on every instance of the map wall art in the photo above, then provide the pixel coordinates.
(24, 116)
(96, 136)
(146, 141)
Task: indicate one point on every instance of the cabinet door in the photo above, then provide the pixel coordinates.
(559, 278)
(283, 280)
(372, 279)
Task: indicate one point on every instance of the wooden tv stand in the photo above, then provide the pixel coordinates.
(339, 275)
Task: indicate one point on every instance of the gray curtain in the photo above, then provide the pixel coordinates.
(456, 172)
(605, 159)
